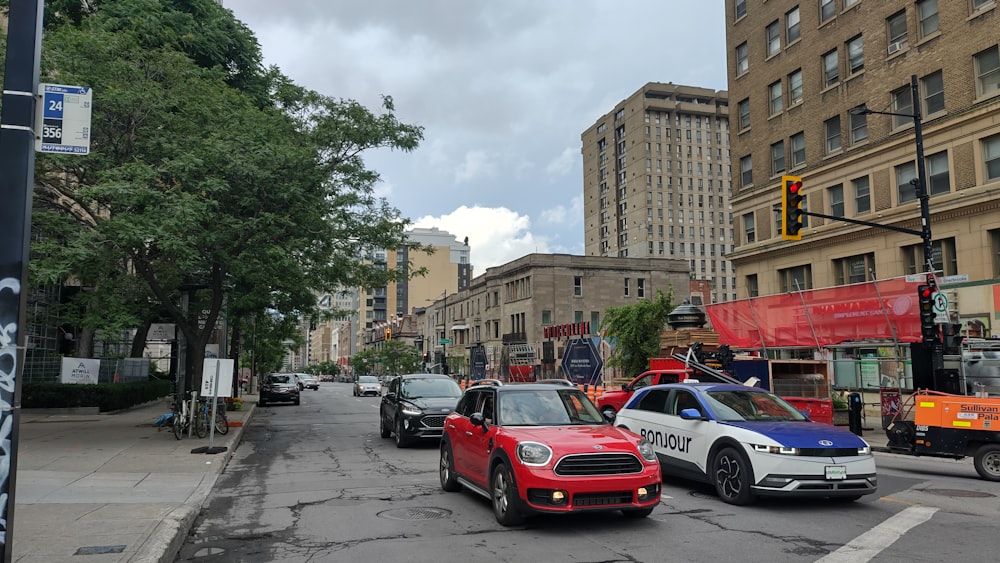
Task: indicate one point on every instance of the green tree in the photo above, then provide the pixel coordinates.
(635, 331)
(363, 362)
(397, 356)
(213, 185)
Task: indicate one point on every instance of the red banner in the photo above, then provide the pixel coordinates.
(883, 310)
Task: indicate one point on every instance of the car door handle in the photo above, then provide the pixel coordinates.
(468, 433)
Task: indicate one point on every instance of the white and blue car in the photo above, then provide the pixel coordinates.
(748, 443)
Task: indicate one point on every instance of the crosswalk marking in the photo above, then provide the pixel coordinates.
(869, 544)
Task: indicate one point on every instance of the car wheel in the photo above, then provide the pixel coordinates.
(384, 430)
(401, 441)
(298, 401)
(262, 402)
(987, 462)
(504, 497)
(446, 469)
(732, 476)
(638, 512)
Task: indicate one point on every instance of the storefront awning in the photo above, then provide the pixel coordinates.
(460, 327)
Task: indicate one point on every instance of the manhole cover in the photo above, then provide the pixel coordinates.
(414, 513)
(958, 493)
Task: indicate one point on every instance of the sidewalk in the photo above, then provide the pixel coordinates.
(111, 486)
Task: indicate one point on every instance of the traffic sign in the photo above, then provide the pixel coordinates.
(940, 302)
(444, 341)
(62, 119)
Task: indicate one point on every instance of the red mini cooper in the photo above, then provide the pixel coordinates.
(541, 448)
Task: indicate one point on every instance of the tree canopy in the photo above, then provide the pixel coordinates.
(214, 185)
(635, 330)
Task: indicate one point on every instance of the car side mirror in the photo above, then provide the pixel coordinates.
(477, 419)
(691, 414)
(625, 387)
(805, 414)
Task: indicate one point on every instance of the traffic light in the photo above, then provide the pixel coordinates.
(928, 328)
(791, 208)
(388, 334)
(427, 357)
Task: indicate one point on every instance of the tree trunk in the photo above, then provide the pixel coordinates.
(139, 340)
(85, 343)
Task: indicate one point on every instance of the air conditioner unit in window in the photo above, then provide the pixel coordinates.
(893, 47)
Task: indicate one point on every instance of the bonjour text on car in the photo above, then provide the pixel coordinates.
(415, 405)
(748, 442)
(279, 388)
(539, 448)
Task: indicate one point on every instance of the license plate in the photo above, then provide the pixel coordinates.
(836, 472)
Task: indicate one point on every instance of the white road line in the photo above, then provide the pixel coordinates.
(869, 544)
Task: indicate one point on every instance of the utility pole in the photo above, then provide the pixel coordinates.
(17, 161)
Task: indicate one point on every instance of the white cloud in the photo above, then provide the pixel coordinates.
(565, 162)
(562, 215)
(496, 235)
(477, 165)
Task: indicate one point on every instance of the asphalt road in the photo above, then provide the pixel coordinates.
(316, 483)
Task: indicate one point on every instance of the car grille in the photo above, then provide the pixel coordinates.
(433, 421)
(828, 452)
(598, 464)
(602, 499)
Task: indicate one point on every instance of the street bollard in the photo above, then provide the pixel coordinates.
(854, 406)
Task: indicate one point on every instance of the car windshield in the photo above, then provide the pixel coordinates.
(751, 405)
(553, 406)
(280, 378)
(367, 379)
(429, 388)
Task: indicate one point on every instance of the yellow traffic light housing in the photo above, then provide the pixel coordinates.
(388, 334)
(791, 208)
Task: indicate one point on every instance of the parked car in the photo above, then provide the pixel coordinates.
(542, 448)
(279, 388)
(614, 399)
(748, 442)
(563, 382)
(308, 382)
(367, 385)
(415, 405)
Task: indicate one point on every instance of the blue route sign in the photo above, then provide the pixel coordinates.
(62, 119)
(581, 363)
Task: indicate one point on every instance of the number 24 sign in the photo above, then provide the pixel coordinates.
(62, 119)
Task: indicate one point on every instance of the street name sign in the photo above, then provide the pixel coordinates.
(62, 119)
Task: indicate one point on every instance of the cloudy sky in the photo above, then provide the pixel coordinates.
(503, 89)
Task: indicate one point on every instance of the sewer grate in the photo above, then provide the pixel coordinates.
(100, 549)
(958, 493)
(414, 513)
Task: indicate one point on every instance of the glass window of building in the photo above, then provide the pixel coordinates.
(905, 177)
(902, 103)
(835, 195)
(862, 195)
(831, 68)
(896, 27)
(991, 156)
(831, 128)
(932, 86)
(774, 95)
(792, 25)
(855, 55)
(795, 87)
(987, 71)
(798, 146)
(773, 32)
(927, 16)
(938, 176)
(859, 128)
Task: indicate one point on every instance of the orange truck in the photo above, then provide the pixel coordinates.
(935, 424)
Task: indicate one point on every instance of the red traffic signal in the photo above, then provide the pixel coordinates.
(791, 208)
(929, 332)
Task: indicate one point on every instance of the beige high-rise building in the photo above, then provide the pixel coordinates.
(657, 179)
(796, 69)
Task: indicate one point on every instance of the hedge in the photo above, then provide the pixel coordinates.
(107, 396)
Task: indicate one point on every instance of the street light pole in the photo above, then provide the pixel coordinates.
(444, 341)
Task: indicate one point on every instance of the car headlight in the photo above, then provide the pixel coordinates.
(865, 450)
(646, 450)
(533, 453)
(411, 410)
(782, 450)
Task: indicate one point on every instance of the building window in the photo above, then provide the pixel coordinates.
(862, 195)
(995, 247)
(836, 196)
(832, 128)
(896, 25)
(938, 174)
(798, 142)
(744, 110)
(932, 86)
(827, 9)
(798, 278)
(742, 64)
(906, 189)
(640, 287)
(794, 31)
(746, 171)
(741, 8)
(577, 286)
(774, 95)
(752, 287)
(748, 228)
(626, 287)
(927, 15)
(831, 70)
(991, 155)
(795, 87)
(777, 158)
(546, 317)
(942, 256)
(773, 38)
(979, 4)
(854, 269)
(902, 103)
(859, 128)
(987, 71)
(855, 55)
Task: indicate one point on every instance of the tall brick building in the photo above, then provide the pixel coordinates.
(796, 69)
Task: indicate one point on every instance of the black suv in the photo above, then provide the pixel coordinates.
(415, 405)
(279, 387)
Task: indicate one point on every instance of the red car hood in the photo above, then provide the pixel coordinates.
(578, 438)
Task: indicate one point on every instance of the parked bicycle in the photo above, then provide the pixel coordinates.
(183, 419)
(205, 415)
